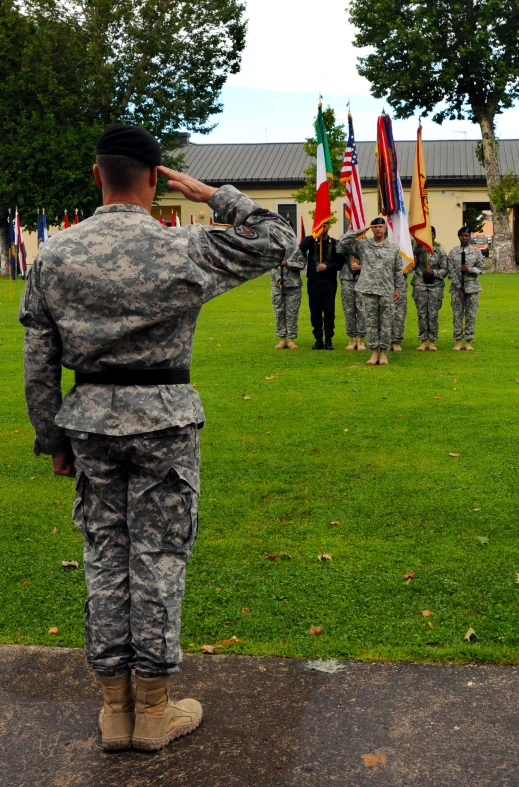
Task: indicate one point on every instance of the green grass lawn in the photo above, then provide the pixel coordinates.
(327, 440)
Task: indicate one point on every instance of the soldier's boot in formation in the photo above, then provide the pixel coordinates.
(159, 720)
(396, 348)
(360, 344)
(116, 716)
(457, 346)
(291, 344)
(468, 346)
(432, 347)
(352, 345)
(374, 358)
(318, 345)
(422, 348)
(328, 343)
(282, 344)
(383, 361)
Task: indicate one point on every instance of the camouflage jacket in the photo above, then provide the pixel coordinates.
(476, 266)
(346, 273)
(120, 290)
(381, 272)
(290, 276)
(437, 265)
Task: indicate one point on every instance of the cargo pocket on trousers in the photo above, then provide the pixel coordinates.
(180, 511)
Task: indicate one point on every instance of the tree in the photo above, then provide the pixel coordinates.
(337, 139)
(454, 58)
(74, 68)
(474, 220)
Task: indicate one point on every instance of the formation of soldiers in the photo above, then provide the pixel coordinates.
(374, 291)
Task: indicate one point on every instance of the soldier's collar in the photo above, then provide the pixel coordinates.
(122, 207)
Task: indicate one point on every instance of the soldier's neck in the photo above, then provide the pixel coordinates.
(127, 198)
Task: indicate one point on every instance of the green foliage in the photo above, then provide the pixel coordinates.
(337, 138)
(472, 221)
(70, 70)
(506, 194)
(278, 468)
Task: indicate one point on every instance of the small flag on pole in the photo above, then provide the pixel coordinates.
(44, 231)
(419, 216)
(20, 245)
(161, 220)
(302, 234)
(354, 207)
(177, 220)
(323, 211)
(13, 257)
(76, 217)
(66, 221)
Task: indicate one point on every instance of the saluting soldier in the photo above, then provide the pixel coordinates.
(285, 291)
(351, 304)
(380, 283)
(428, 285)
(116, 298)
(465, 265)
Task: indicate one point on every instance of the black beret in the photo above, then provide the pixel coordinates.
(378, 220)
(130, 141)
(433, 229)
(464, 229)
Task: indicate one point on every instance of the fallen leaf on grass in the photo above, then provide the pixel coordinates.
(260, 417)
(245, 610)
(316, 450)
(53, 531)
(483, 540)
(70, 564)
(32, 478)
(409, 575)
(279, 767)
(315, 630)
(517, 577)
(335, 522)
(285, 556)
(426, 613)
(224, 643)
(332, 666)
(28, 582)
(429, 623)
(451, 454)
(436, 397)
(272, 377)
(245, 397)
(326, 556)
(476, 509)
(272, 557)
(16, 431)
(346, 430)
(209, 649)
(219, 589)
(53, 630)
(399, 416)
(371, 760)
(195, 385)
(470, 635)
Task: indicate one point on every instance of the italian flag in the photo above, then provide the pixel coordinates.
(323, 211)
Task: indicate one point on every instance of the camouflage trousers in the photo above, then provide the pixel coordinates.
(377, 316)
(464, 306)
(428, 302)
(286, 308)
(352, 308)
(398, 315)
(137, 508)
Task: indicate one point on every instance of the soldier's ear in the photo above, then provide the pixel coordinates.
(97, 176)
(153, 177)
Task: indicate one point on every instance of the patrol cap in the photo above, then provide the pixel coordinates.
(378, 220)
(131, 141)
(462, 230)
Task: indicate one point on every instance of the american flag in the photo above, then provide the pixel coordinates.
(353, 208)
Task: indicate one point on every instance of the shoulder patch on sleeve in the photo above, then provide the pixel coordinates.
(246, 232)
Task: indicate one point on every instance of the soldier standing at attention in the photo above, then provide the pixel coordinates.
(465, 264)
(322, 285)
(380, 283)
(285, 291)
(351, 304)
(116, 298)
(428, 285)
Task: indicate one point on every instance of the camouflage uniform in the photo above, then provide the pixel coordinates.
(119, 291)
(351, 301)
(399, 313)
(428, 298)
(465, 304)
(285, 292)
(381, 275)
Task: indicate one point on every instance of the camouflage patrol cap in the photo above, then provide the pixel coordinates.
(378, 220)
(131, 141)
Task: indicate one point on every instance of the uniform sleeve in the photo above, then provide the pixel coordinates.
(250, 241)
(477, 266)
(348, 244)
(42, 367)
(451, 267)
(398, 274)
(297, 262)
(306, 245)
(442, 270)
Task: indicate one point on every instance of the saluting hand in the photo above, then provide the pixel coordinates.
(192, 189)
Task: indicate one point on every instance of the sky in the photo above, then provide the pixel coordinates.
(287, 63)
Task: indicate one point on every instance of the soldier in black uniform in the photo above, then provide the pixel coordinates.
(322, 286)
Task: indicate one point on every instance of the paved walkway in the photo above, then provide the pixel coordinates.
(269, 722)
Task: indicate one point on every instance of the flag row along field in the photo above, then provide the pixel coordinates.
(404, 478)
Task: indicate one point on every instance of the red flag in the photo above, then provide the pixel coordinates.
(66, 222)
(161, 219)
(20, 244)
(76, 217)
(303, 233)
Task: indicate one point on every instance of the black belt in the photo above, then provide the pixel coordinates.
(135, 377)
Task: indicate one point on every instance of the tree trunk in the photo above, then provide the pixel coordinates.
(504, 252)
(4, 252)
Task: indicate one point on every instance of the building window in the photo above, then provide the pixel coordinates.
(289, 212)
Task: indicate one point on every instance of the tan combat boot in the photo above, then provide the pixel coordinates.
(374, 358)
(383, 361)
(158, 720)
(396, 348)
(422, 348)
(116, 717)
(352, 345)
(468, 346)
(282, 344)
(432, 347)
(291, 344)
(360, 344)
(457, 346)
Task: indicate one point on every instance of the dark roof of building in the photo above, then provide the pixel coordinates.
(281, 164)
